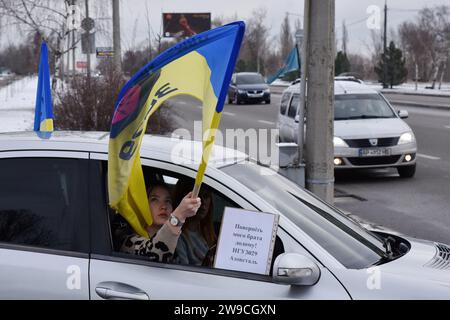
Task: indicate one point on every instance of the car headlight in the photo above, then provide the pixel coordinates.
(338, 142)
(267, 90)
(407, 137)
(242, 91)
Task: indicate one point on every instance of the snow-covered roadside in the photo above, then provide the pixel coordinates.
(17, 101)
(410, 88)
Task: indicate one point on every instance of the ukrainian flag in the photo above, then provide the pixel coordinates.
(200, 66)
(43, 117)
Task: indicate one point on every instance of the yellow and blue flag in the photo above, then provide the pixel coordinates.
(200, 66)
(43, 117)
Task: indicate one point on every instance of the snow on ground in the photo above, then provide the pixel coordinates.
(281, 83)
(410, 88)
(17, 101)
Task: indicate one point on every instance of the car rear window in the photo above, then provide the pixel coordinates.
(284, 102)
(44, 203)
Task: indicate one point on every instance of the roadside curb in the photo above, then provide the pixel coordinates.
(416, 94)
(420, 105)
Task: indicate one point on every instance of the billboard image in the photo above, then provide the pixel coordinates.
(185, 24)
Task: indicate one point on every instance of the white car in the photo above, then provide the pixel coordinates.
(57, 239)
(368, 133)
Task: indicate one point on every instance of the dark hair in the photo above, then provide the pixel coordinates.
(155, 184)
(183, 187)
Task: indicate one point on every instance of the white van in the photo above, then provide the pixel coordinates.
(368, 132)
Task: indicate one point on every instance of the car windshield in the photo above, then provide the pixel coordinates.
(250, 78)
(361, 106)
(343, 238)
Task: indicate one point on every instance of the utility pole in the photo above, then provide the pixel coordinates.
(88, 55)
(116, 35)
(320, 100)
(384, 47)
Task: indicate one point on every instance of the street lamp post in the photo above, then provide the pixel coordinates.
(301, 44)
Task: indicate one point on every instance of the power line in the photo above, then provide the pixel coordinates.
(352, 23)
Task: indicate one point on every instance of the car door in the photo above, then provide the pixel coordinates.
(117, 275)
(44, 239)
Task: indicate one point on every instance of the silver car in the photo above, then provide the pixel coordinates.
(368, 133)
(57, 236)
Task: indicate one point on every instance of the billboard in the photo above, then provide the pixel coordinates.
(185, 24)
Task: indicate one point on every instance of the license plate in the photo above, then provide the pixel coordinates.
(255, 95)
(374, 152)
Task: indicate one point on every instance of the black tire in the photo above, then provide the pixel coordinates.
(268, 101)
(230, 101)
(236, 99)
(407, 171)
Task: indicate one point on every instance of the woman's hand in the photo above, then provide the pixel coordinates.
(187, 208)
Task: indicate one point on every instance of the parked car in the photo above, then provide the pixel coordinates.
(368, 132)
(248, 87)
(57, 237)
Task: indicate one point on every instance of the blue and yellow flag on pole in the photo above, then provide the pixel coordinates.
(200, 66)
(43, 117)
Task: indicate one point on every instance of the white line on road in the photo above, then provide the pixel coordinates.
(428, 157)
(229, 113)
(266, 122)
(448, 127)
(181, 102)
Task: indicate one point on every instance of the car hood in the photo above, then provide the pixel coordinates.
(370, 128)
(422, 273)
(255, 86)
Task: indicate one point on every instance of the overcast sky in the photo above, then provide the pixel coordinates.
(354, 12)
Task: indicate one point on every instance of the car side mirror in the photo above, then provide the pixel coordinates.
(295, 269)
(403, 114)
(297, 118)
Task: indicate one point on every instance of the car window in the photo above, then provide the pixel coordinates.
(151, 175)
(251, 78)
(284, 102)
(361, 106)
(218, 204)
(293, 106)
(43, 203)
(348, 242)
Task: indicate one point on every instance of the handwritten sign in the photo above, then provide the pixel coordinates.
(246, 241)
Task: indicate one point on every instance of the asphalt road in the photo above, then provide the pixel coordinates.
(418, 207)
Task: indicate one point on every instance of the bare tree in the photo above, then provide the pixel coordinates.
(286, 39)
(255, 42)
(426, 42)
(47, 18)
(344, 37)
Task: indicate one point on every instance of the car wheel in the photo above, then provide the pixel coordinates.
(268, 101)
(407, 171)
(230, 101)
(236, 99)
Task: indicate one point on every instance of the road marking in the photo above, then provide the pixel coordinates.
(448, 127)
(266, 122)
(229, 113)
(182, 102)
(428, 157)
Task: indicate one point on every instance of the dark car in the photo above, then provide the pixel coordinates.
(248, 87)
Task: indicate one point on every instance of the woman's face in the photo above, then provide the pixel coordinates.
(160, 205)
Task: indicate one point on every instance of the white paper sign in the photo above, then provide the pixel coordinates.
(246, 241)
